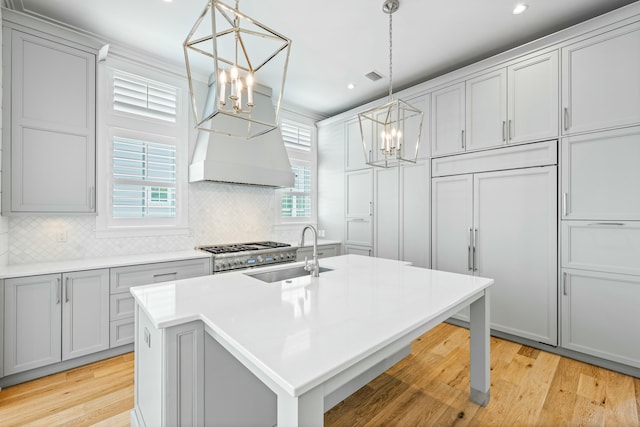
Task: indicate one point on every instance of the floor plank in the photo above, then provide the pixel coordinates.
(529, 387)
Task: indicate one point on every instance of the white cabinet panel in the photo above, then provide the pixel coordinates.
(447, 120)
(85, 313)
(52, 133)
(515, 241)
(600, 84)
(415, 238)
(359, 193)
(355, 155)
(422, 103)
(503, 225)
(486, 110)
(533, 99)
(600, 176)
(600, 315)
(121, 332)
(451, 222)
(387, 198)
(121, 306)
(359, 231)
(32, 322)
(601, 246)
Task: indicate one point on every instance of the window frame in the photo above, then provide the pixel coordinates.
(112, 123)
(300, 157)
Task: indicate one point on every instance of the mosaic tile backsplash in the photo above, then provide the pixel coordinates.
(218, 213)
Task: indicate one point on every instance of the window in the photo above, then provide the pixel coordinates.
(143, 151)
(296, 204)
(144, 179)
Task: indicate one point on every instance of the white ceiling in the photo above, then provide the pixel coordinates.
(337, 42)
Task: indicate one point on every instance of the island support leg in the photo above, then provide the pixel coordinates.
(480, 351)
(302, 411)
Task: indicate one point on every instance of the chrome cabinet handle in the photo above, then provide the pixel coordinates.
(504, 131)
(370, 208)
(616, 224)
(469, 260)
(475, 252)
(566, 118)
(462, 138)
(564, 284)
(66, 289)
(356, 219)
(58, 290)
(564, 204)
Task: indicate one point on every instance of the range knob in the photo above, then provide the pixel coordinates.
(260, 259)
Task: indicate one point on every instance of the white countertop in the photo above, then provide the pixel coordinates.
(301, 333)
(21, 270)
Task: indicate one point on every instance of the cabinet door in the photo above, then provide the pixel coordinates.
(600, 315)
(600, 84)
(387, 188)
(447, 120)
(422, 103)
(85, 313)
(600, 176)
(515, 227)
(451, 223)
(415, 239)
(53, 126)
(486, 110)
(359, 207)
(355, 155)
(533, 99)
(32, 328)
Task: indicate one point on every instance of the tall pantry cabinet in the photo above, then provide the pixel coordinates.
(600, 215)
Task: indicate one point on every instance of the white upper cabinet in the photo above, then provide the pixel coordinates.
(486, 110)
(601, 81)
(354, 156)
(422, 103)
(447, 120)
(509, 105)
(600, 176)
(532, 106)
(51, 140)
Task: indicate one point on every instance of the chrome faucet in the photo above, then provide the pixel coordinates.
(312, 267)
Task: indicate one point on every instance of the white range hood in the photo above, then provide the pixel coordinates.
(262, 160)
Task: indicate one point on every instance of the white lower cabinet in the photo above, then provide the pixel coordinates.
(600, 315)
(123, 278)
(503, 225)
(54, 317)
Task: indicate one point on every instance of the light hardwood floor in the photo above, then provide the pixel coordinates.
(429, 388)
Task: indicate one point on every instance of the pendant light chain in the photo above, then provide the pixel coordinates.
(390, 54)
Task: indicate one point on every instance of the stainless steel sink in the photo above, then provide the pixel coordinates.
(283, 274)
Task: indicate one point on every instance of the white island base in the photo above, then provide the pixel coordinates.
(230, 350)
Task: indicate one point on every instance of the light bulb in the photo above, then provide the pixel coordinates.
(250, 90)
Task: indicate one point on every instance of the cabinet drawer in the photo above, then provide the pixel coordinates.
(121, 332)
(123, 278)
(600, 315)
(323, 252)
(121, 306)
(601, 246)
(357, 250)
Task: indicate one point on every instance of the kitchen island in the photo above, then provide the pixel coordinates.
(230, 349)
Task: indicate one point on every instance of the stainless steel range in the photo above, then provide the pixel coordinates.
(239, 256)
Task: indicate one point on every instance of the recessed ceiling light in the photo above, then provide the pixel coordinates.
(519, 8)
(351, 86)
